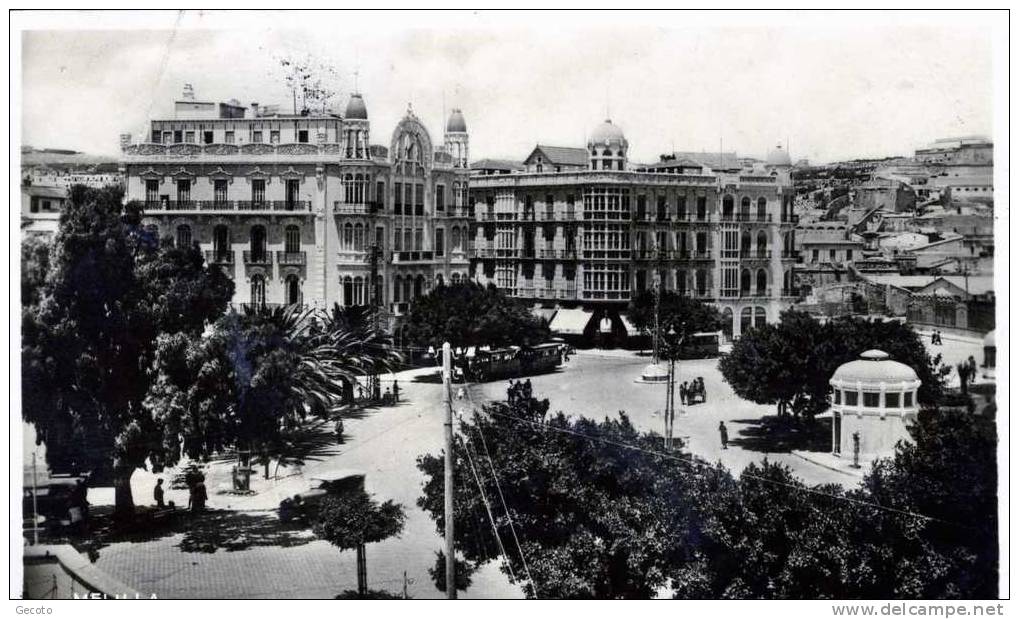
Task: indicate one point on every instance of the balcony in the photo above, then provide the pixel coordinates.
(745, 293)
(760, 254)
(570, 294)
(302, 206)
(557, 254)
(291, 258)
(262, 258)
(219, 257)
(411, 257)
(790, 254)
(360, 208)
(484, 252)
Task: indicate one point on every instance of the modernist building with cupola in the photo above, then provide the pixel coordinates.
(582, 230)
(303, 208)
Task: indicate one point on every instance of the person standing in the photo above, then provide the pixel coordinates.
(201, 496)
(396, 391)
(723, 433)
(682, 393)
(157, 493)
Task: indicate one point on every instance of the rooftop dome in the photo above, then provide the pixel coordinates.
(874, 368)
(606, 132)
(356, 109)
(779, 157)
(456, 122)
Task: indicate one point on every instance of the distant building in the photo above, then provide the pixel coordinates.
(488, 167)
(965, 150)
(40, 208)
(293, 206)
(587, 238)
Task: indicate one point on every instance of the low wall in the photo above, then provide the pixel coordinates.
(63, 573)
(948, 333)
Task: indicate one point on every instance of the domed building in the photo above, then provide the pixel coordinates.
(456, 141)
(873, 403)
(356, 127)
(778, 159)
(607, 147)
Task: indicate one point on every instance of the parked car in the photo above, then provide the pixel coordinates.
(54, 499)
(304, 505)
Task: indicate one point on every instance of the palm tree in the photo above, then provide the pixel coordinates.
(296, 363)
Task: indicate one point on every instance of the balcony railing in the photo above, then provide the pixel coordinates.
(759, 254)
(291, 258)
(402, 257)
(360, 208)
(260, 257)
(746, 217)
(219, 257)
(229, 205)
(557, 254)
(744, 293)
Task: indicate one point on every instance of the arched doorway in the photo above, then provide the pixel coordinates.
(727, 325)
(293, 290)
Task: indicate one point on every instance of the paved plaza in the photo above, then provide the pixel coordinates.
(241, 550)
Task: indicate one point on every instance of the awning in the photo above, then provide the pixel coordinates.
(570, 321)
(630, 329)
(546, 314)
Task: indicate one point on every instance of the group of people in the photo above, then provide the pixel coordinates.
(694, 388)
(197, 494)
(936, 338)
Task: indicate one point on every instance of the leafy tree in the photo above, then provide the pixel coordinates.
(468, 314)
(676, 312)
(88, 344)
(593, 519)
(791, 362)
(356, 520)
(35, 262)
(268, 371)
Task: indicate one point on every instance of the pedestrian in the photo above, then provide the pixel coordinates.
(157, 493)
(201, 496)
(723, 434)
(934, 337)
(682, 393)
(387, 397)
(396, 391)
(700, 387)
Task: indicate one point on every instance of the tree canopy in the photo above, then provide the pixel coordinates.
(675, 312)
(88, 342)
(467, 314)
(600, 511)
(790, 363)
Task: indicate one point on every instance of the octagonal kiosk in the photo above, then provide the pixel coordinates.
(873, 404)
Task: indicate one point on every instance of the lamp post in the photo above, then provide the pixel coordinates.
(856, 450)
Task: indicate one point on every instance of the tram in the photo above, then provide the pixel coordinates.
(512, 362)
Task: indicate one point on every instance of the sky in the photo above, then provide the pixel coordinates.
(830, 88)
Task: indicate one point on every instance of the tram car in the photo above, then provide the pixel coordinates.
(512, 362)
(699, 346)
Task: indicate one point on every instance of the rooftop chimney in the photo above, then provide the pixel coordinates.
(254, 109)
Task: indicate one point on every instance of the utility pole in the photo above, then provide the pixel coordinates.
(447, 373)
(35, 506)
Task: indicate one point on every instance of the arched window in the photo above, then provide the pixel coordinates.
(258, 290)
(760, 317)
(455, 278)
(746, 320)
(348, 236)
(744, 282)
(762, 243)
(727, 206)
(221, 242)
(744, 209)
(438, 279)
(348, 188)
(787, 283)
(455, 239)
(348, 291)
(184, 236)
(606, 153)
(701, 279)
(293, 290)
(258, 243)
(681, 281)
(397, 283)
(419, 286)
(292, 239)
(358, 291)
(358, 237)
(407, 283)
(358, 189)
(762, 209)
(744, 243)
(762, 282)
